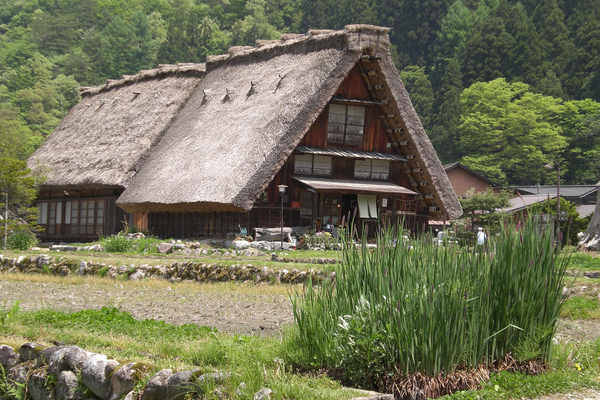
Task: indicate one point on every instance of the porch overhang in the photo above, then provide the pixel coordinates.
(352, 186)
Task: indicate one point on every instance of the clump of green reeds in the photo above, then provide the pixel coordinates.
(412, 308)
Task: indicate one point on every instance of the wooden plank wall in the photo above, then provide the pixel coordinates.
(191, 225)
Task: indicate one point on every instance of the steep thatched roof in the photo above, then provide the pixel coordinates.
(104, 139)
(217, 138)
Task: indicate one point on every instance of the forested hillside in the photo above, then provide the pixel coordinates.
(500, 85)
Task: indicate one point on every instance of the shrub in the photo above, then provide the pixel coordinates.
(21, 239)
(118, 243)
(322, 240)
(416, 309)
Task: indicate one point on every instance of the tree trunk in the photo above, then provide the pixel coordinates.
(591, 237)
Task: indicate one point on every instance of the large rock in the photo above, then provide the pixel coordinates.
(67, 386)
(156, 388)
(8, 357)
(179, 384)
(37, 387)
(75, 357)
(240, 244)
(30, 351)
(95, 373)
(56, 362)
(124, 379)
(165, 248)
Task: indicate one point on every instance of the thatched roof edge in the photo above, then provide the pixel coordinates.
(163, 70)
(433, 169)
(304, 120)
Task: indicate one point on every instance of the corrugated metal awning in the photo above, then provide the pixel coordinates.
(348, 186)
(350, 153)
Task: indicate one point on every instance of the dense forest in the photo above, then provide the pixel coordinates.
(503, 86)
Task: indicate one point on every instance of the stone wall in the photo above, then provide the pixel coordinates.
(71, 373)
(178, 271)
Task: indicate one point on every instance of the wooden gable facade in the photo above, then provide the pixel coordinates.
(200, 150)
(346, 175)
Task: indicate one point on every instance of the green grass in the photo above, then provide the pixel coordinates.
(584, 261)
(573, 367)
(255, 361)
(581, 307)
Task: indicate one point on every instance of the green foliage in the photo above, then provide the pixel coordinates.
(580, 307)
(584, 261)
(420, 91)
(572, 223)
(110, 319)
(21, 238)
(322, 240)
(118, 243)
(482, 208)
(470, 308)
(18, 190)
(509, 133)
(7, 315)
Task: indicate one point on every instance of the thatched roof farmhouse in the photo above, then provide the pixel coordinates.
(199, 149)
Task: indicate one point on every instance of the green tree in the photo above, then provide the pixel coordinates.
(509, 133)
(254, 26)
(483, 208)
(581, 122)
(447, 113)
(421, 93)
(570, 224)
(18, 190)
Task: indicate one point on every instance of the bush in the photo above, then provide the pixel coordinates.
(322, 240)
(21, 239)
(418, 309)
(118, 243)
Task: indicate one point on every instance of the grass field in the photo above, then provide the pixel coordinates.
(263, 361)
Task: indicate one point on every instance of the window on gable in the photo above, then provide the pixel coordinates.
(308, 164)
(345, 125)
(372, 169)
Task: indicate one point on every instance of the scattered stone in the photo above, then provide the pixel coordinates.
(240, 244)
(95, 373)
(8, 357)
(30, 351)
(165, 248)
(137, 275)
(36, 386)
(156, 388)
(56, 360)
(124, 379)
(67, 386)
(179, 384)
(263, 394)
(75, 357)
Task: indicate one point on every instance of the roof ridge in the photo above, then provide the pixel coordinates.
(237, 53)
(162, 70)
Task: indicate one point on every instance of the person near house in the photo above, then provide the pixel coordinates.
(481, 236)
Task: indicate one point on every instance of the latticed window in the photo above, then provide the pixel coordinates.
(372, 169)
(308, 164)
(87, 216)
(345, 125)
